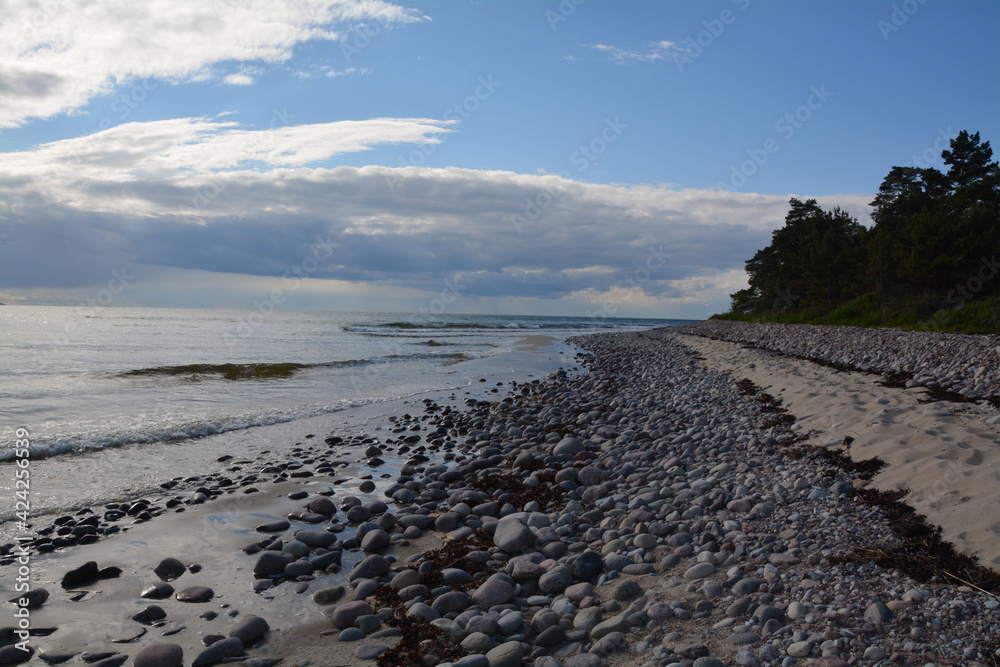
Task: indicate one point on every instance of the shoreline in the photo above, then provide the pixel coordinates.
(708, 542)
(210, 532)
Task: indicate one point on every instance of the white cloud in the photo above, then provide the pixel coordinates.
(651, 52)
(55, 56)
(172, 194)
(238, 79)
(179, 147)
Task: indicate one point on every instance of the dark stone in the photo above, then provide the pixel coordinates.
(157, 591)
(551, 636)
(169, 568)
(274, 526)
(149, 615)
(81, 576)
(322, 505)
(587, 566)
(32, 599)
(315, 539)
(96, 657)
(12, 655)
(219, 651)
(272, 563)
(250, 629)
(160, 655)
(196, 594)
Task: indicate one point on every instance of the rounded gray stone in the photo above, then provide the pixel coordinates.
(626, 590)
(451, 602)
(555, 580)
(375, 540)
(351, 635)
(249, 629)
(368, 623)
(157, 591)
(230, 647)
(508, 654)
(495, 590)
(477, 642)
(373, 566)
(160, 655)
(315, 539)
(699, 571)
(169, 568)
(346, 614)
(613, 624)
(149, 615)
(328, 595)
(195, 594)
(271, 563)
(747, 586)
(513, 536)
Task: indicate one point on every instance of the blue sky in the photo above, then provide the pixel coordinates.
(581, 157)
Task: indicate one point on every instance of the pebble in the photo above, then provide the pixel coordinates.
(513, 536)
(150, 614)
(613, 624)
(169, 569)
(351, 635)
(496, 590)
(195, 594)
(157, 591)
(160, 655)
(219, 651)
(799, 649)
(347, 613)
(508, 654)
(699, 571)
(250, 629)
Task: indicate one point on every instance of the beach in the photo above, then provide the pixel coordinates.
(671, 497)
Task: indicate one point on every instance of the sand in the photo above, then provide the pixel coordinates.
(949, 464)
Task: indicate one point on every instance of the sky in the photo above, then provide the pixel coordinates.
(550, 157)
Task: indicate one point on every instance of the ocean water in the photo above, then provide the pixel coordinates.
(117, 399)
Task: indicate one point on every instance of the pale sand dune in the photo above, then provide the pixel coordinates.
(951, 465)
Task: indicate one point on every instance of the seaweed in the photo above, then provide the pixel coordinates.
(778, 420)
(455, 554)
(920, 551)
(895, 380)
(865, 468)
(419, 639)
(543, 494)
(767, 402)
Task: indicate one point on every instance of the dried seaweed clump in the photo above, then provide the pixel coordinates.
(920, 551)
(865, 468)
(543, 494)
(421, 641)
(455, 554)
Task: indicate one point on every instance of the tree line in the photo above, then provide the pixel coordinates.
(928, 260)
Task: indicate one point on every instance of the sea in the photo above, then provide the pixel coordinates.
(111, 402)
